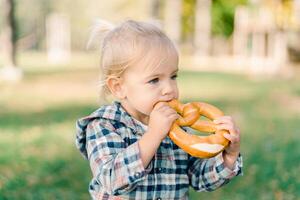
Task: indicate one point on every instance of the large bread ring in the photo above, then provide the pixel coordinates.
(197, 146)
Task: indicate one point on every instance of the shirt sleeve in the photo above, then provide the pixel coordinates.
(210, 174)
(115, 166)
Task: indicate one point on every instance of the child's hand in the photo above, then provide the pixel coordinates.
(227, 123)
(161, 119)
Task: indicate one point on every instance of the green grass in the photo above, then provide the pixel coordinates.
(38, 158)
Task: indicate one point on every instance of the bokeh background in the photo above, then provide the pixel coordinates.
(242, 56)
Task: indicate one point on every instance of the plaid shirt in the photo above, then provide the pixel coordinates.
(108, 139)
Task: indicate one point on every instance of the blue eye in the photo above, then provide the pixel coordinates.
(174, 77)
(153, 81)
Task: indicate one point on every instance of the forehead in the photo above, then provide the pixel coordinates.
(156, 61)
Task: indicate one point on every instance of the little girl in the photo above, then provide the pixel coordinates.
(126, 142)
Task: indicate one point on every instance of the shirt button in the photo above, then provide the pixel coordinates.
(137, 175)
(159, 169)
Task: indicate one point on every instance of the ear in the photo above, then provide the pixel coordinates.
(115, 86)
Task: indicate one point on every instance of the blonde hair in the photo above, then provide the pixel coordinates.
(127, 44)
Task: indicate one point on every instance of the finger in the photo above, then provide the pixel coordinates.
(169, 110)
(223, 119)
(174, 116)
(228, 127)
(232, 138)
(171, 114)
(238, 132)
(159, 105)
(166, 109)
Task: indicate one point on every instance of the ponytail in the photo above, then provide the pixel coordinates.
(98, 31)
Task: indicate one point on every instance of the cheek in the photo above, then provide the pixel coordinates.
(176, 91)
(141, 95)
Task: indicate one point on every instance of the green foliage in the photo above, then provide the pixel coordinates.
(223, 16)
(188, 19)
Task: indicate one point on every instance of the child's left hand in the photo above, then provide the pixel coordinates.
(227, 123)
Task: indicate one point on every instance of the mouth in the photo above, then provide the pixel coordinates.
(166, 101)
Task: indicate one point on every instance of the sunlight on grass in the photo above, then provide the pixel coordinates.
(37, 129)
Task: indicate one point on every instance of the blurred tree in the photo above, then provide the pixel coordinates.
(30, 17)
(188, 19)
(31, 27)
(9, 71)
(155, 9)
(223, 16)
(172, 19)
(9, 33)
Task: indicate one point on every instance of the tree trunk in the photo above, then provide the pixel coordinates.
(203, 27)
(10, 71)
(8, 33)
(172, 25)
(155, 6)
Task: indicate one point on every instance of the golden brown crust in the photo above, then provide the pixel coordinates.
(198, 146)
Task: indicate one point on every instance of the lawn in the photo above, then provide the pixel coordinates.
(38, 158)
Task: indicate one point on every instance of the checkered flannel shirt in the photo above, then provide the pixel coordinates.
(108, 139)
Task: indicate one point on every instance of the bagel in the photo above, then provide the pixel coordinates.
(197, 146)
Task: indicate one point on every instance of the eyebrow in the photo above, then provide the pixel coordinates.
(154, 75)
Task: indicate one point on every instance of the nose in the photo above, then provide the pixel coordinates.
(169, 89)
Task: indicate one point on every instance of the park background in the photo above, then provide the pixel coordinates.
(242, 56)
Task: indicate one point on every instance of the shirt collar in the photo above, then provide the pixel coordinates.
(117, 113)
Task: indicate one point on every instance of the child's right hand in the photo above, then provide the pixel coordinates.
(161, 119)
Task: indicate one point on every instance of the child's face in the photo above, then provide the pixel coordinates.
(145, 86)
